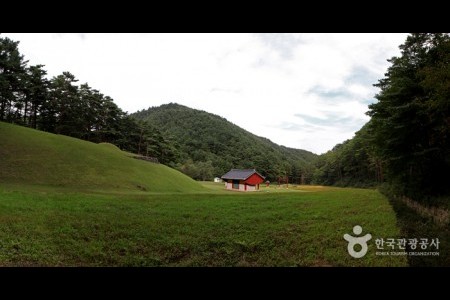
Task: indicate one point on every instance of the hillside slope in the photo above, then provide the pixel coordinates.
(33, 157)
(202, 136)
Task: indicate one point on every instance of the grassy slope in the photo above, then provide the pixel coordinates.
(34, 157)
(268, 228)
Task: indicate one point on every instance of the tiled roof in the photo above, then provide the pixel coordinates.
(240, 174)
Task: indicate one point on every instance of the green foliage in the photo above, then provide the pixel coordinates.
(206, 140)
(199, 171)
(410, 123)
(352, 163)
(12, 83)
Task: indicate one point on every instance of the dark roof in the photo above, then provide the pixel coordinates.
(240, 174)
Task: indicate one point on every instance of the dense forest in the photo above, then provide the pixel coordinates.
(351, 163)
(210, 145)
(406, 144)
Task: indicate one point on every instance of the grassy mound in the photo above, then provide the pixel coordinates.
(32, 157)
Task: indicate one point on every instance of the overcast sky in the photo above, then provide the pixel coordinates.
(307, 91)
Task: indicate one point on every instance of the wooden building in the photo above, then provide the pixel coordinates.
(244, 180)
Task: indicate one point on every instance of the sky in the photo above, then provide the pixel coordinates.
(306, 91)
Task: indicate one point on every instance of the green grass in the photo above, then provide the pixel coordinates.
(268, 228)
(43, 159)
(67, 202)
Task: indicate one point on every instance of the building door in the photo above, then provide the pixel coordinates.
(236, 184)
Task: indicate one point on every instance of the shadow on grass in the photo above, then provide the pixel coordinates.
(412, 225)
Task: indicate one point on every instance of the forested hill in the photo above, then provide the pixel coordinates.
(208, 143)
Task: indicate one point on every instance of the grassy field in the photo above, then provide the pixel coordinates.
(67, 202)
(302, 227)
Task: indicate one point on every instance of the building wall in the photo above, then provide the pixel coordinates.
(250, 188)
(254, 179)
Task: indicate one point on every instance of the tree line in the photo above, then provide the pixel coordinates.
(59, 105)
(406, 143)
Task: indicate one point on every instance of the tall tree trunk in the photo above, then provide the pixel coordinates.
(2, 110)
(140, 140)
(8, 112)
(381, 173)
(339, 171)
(34, 116)
(25, 113)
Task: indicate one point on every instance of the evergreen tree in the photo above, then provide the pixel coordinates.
(12, 69)
(36, 91)
(410, 122)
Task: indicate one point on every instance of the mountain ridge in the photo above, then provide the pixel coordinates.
(203, 137)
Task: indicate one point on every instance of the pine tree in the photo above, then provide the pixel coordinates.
(410, 122)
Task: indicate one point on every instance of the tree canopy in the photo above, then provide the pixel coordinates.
(410, 123)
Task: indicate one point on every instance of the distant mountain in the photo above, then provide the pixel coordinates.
(207, 140)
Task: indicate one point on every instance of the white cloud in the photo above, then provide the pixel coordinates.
(258, 81)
